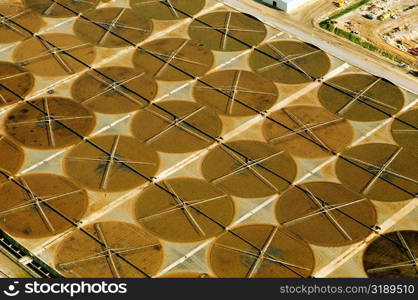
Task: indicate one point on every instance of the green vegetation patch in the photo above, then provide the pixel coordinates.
(327, 25)
(348, 9)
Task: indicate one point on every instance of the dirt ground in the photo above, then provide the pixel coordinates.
(310, 62)
(257, 255)
(332, 228)
(310, 12)
(313, 12)
(80, 255)
(373, 30)
(382, 253)
(121, 174)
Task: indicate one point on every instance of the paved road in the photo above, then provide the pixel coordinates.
(333, 45)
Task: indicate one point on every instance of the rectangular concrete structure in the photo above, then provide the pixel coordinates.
(285, 5)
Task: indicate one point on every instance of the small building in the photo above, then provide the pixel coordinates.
(285, 5)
